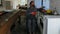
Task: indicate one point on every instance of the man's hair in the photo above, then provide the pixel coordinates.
(31, 2)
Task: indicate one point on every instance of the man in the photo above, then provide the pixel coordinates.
(31, 19)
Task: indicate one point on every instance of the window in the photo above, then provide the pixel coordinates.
(38, 3)
(22, 2)
(45, 3)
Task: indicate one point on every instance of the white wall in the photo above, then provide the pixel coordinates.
(15, 3)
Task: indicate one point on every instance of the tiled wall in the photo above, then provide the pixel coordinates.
(55, 4)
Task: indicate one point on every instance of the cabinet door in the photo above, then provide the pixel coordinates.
(8, 4)
(53, 26)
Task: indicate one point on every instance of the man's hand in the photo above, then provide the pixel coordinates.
(1, 13)
(34, 13)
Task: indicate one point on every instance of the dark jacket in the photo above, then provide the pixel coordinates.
(30, 10)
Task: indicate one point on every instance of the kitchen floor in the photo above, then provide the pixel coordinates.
(21, 28)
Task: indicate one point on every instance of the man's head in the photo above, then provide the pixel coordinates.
(32, 4)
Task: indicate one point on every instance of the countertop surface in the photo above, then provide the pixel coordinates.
(5, 17)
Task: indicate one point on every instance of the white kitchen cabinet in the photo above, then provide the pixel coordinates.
(51, 25)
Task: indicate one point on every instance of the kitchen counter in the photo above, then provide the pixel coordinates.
(7, 20)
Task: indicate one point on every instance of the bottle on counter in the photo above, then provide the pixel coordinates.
(55, 12)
